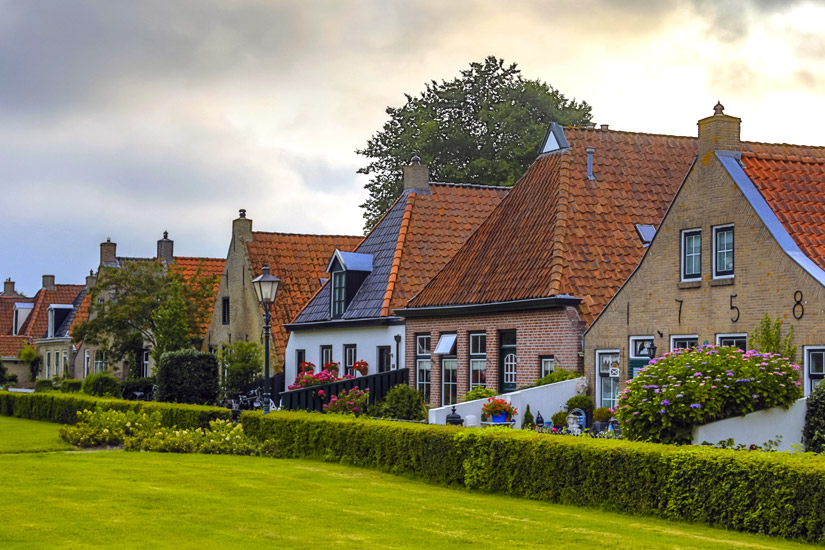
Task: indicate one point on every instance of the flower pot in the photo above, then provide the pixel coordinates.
(499, 418)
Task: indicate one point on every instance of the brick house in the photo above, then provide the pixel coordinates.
(514, 301)
(298, 260)
(351, 317)
(744, 236)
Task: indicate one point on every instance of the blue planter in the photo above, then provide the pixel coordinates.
(500, 417)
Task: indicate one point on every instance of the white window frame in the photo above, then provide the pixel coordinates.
(350, 354)
(325, 348)
(807, 383)
(64, 365)
(48, 364)
(477, 359)
(445, 385)
(683, 252)
(744, 335)
(547, 363)
(87, 362)
(715, 230)
(423, 362)
(674, 337)
(632, 351)
(599, 353)
(145, 363)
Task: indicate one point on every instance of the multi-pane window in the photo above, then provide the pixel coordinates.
(723, 251)
(691, 254)
(100, 361)
(145, 363)
(736, 340)
(225, 310)
(815, 367)
(608, 378)
(548, 364)
(87, 361)
(326, 355)
(349, 359)
(384, 354)
(640, 347)
(508, 360)
(422, 365)
(48, 364)
(478, 359)
(339, 285)
(678, 342)
(449, 381)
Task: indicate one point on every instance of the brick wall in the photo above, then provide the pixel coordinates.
(554, 332)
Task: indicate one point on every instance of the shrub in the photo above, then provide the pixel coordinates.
(401, 402)
(556, 376)
(602, 414)
(101, 384)
(139, 385)
(559, 419)
(70, 385)
(222, 437)
(686, 388)
(353, 401)
(187, 376)
(479, 392)
(308, 378)
(109, 427)
(813, 433)
(43, 385)
(528, 422)
(580, 402)
(767, 338)
(242, 362)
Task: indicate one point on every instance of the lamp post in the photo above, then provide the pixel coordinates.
(266, 287)
(651, 350)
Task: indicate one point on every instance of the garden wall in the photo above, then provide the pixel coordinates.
(758, 427)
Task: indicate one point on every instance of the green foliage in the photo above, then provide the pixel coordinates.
(528, 422)
(774, 493)
(767, 338)
(479, 392)
(187, 376)
(559, 419)
(813, 433)
(30, 356)
(352, 402)
(401, 402)
(63, 407)
(101, 384)
(109, 427)
(483, 127)
(687, 388)
(155, 304)
(222, 437)
(559, 375)
(4, 373)
(602, 414)
(140, 385)
(69, 385)
(580, 402)
(242, 362)
(44, 385)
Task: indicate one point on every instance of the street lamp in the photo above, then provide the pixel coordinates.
(266, 287)
(651, 350)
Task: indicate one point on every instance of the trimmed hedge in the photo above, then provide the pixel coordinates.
(188, 376)
(102, 384)
(70, 385)
(773, 493)
(43, 385)
(63, 407)
(813, 433)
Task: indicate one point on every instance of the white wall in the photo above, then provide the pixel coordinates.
(758, 427)
(366, 339)
(547, 400)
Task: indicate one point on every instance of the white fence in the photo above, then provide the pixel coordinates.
(758, 427)
(547, 400)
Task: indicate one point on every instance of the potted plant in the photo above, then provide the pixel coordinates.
(361, 366)
(498, 410)
(601, 418)
(306, 366)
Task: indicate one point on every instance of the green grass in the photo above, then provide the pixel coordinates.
(20, 436)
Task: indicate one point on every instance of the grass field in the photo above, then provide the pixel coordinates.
(21, 436)
(115, 499)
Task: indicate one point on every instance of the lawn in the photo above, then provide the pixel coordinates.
(149, 500)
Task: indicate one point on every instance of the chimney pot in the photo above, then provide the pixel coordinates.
(416, 175)
(108, 252)
(605, 126)
(242, 226)
(166, 248)
(90, 279)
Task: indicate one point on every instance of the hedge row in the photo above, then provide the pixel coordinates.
(62, 408)
(774, 493)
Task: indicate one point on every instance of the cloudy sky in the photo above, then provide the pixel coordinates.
(123, 119)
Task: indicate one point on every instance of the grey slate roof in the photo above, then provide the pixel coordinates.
(63, 330)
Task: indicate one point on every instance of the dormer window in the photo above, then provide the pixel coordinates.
(339, 294)
(348, 270)
(57, 314)
(22, 310)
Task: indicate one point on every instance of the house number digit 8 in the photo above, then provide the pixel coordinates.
(797, 298)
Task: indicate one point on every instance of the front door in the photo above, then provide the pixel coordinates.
(507, 360)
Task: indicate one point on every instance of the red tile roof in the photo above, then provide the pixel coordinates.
(37, 324)
(7, 312)
(206, 267)
(10, 346)
(558, 232)
(300, 261)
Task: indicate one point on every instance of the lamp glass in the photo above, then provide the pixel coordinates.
(266, 286)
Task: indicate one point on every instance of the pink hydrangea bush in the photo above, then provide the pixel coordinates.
(352, 402)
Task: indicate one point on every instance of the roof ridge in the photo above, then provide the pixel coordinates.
(560, 231)
(470, 185)
(626, 132)
(288, 234)
(780, 157)
(197, 258)
(396, 257)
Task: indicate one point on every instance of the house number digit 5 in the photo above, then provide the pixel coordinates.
(734, 308)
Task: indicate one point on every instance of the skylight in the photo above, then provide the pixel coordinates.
(646, 232)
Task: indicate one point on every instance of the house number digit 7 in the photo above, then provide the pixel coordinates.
(733, 307)
(680, 310)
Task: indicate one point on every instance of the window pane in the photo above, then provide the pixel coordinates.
(450, 381)
(422, 345)
(478, 372)
(692, 254)
(478, 344)
(816, 362)
(423, 377)
(547, 365)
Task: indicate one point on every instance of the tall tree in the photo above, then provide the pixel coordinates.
(483, 127)
(146, 302)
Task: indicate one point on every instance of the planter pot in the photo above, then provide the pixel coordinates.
(499, 417)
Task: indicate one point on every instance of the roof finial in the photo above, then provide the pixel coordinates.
(718, 108)
(415, 160)
(165, 234)
(242, 212)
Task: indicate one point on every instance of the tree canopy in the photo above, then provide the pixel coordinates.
(146, 304)
(483, 127)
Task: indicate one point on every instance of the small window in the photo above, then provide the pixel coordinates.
(640, 347)
(446, 345)
(422, 365)
(422, 344)
(225, 310)
(48, 364)
(684, 342)
(449, 381)
(300, 356)
(65, 362)
(349, 359)
(691, 254)
(87, 363)
(814, 367)
(736, 340)
(478, 359)
(723, 251)
(100, 361)
(384, 356)
(326, 355)
(339, 294)
(548, 364)
(645, 232)
(607, 381)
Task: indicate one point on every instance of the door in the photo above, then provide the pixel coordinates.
(508, 361)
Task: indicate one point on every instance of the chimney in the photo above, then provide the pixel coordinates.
(108, 252)
(8, 288)
(416, 175)
(91, 279)
(165, 248)
(48, 282)
(719, 132)
(605, 126)
(242, 226)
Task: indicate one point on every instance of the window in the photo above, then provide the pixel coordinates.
(422, 365)
(100, 361)
(548, 364)
(51, 323)
(449, 381)
(736, 340)
(508, 361)
(690, 341)
(86, 363)
(145, 363)
(225, 310)
(478, 359)
(15, 323)
(65, 363)
(639, 354)
(349, 359)
(607, 381)
(384, 358)
(48, 363)
(723, 251)
(691, 255)
(339, 294)
(300, 356)
(814, 367)
(326, 355)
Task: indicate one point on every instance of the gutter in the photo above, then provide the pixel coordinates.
(561, 300)
(344, 323)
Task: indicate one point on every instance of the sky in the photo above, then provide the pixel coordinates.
(123, 119)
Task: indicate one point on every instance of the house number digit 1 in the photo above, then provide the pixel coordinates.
(733, 307)
(797, 298)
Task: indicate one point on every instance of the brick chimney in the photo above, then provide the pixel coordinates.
(108, 252)
(8, 288)
(416, 175)
(48, 282)
(91, 279)
(166, 248)
(242, 226)
(719, 132)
